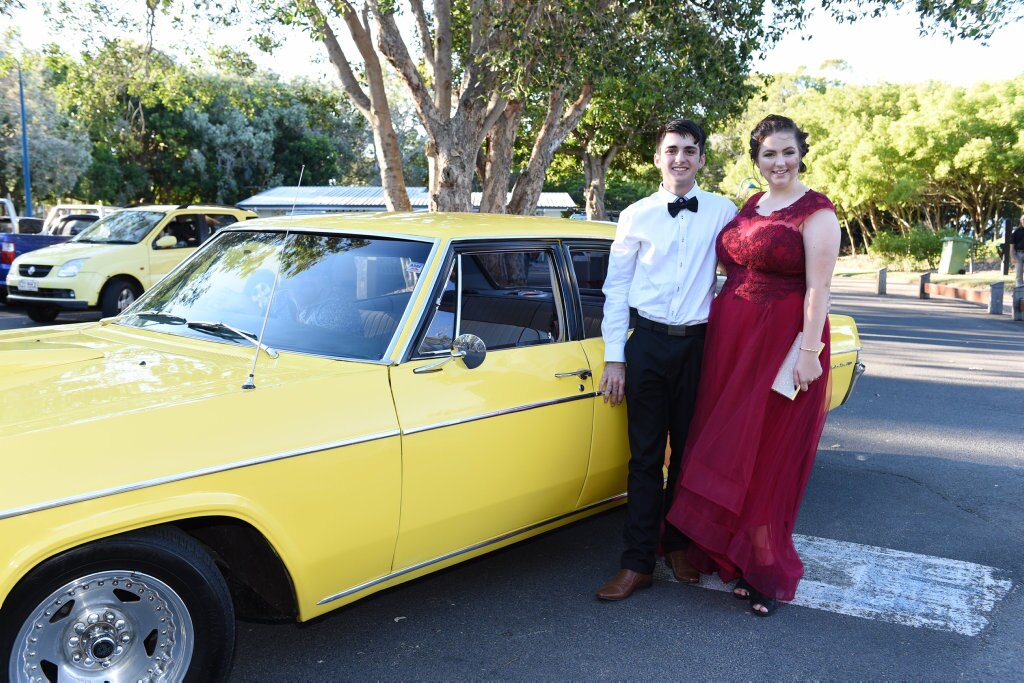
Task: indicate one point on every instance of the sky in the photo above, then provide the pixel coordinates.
(889, 49)
(884, 49)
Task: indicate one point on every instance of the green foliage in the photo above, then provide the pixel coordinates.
(127, 125)
(918, 248)
(891, 156)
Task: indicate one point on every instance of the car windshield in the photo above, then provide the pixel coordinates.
(336, 295)
(123, 227)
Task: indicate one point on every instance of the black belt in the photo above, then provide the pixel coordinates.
(671, 330)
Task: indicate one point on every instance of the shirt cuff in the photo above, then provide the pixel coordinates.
(614, 353)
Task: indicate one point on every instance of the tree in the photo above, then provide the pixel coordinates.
(58, 147)
(478, 63)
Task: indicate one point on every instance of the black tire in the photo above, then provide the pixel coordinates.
(115, 634)
(41, 314)
(117, 295)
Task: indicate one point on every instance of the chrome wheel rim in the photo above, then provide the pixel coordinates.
(125, 298)
(108, 626)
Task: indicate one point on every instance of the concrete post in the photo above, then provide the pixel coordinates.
(1018, 303)
(925, 279)
(995, 299)
(882, 272)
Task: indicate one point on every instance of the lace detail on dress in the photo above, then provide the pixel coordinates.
(764, 255)
(758, 287)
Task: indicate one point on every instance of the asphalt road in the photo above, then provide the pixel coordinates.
(926, 459)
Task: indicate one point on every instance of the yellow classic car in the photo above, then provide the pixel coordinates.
(304, 412)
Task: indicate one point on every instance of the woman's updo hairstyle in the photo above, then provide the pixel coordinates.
(772, 124)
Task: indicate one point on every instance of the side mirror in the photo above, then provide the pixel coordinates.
(166, 242)
(469, 347)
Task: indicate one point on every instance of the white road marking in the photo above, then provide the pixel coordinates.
(889, 585)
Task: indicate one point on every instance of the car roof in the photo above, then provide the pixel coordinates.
(453, 226)
(185, 207)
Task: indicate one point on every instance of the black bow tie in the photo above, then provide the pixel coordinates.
(678, 205)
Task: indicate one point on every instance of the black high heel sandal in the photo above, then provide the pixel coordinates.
(761, 600)
(742, 585)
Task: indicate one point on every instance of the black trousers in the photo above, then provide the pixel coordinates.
(662, 373)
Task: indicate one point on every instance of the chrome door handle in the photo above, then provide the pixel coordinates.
(582, 373)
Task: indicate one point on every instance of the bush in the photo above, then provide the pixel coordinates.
(919, 249)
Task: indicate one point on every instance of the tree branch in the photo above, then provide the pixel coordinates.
(394, 49)
(341, 64)
(426, 42)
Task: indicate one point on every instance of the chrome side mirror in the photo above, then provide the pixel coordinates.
(469, 347)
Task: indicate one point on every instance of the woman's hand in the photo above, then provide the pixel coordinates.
(807, 370)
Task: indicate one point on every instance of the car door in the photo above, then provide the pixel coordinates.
(609, 456)
(189, 231)
(184, 228)
(493, 449)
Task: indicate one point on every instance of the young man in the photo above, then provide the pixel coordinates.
(662, 264)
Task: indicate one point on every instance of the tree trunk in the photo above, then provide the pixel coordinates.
(556, 128)
(595, 174)
(373, 106)
(453, 167)
(498, 161)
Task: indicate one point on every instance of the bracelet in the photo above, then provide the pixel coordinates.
(809, 350)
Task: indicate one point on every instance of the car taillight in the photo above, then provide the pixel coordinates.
(7, 253)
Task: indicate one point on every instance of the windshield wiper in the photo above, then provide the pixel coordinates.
(228, 332)
(161, 317)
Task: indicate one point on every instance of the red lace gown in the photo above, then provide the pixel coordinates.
(750, 450)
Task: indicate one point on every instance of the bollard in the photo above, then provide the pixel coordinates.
(1018, 303)
(995, 299)
(881, 280)
(925, 279)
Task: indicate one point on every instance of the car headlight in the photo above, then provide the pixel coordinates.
(71, 268)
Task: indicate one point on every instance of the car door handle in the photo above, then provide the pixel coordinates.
(582, 373)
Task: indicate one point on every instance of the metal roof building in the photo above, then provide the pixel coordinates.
(322, 199)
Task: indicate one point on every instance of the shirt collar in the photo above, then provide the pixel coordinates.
(670, 197)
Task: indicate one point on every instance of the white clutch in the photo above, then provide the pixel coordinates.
(783, 383)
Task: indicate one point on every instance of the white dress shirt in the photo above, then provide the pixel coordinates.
(662, 266)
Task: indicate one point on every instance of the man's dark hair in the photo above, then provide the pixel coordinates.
(683, 127)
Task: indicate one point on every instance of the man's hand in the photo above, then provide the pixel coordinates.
(613, 382)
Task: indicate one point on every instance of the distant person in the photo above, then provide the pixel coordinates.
(1017, 251)
(750, 449)
(662, 264)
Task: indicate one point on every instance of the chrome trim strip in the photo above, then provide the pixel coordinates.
(468, 549)
(499, 413)
(843, 365)
(217, 469)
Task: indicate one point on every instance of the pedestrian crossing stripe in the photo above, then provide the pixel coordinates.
(890, 585)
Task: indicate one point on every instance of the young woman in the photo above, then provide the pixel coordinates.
(750, 450)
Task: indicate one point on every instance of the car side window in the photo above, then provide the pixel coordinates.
(185, 231)
(511, 298)
(216, 221)
(590, 266)
(441, 330)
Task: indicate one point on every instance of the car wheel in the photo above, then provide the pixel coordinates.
(143, 606)
(118, 295)
(41, 314)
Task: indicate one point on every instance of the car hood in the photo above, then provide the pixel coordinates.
(92, 408)
(59, 254)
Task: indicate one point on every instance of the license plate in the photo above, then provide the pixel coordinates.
(27, 285)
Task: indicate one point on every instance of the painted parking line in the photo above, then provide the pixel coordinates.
(890, 585)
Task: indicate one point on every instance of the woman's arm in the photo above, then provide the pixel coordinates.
(821, 235)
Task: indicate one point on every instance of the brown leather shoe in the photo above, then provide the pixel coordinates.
(681, 567)
(623, 584)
